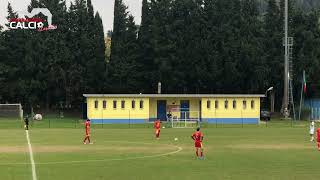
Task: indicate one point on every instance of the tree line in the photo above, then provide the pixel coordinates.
(213, 46)
(190, 46)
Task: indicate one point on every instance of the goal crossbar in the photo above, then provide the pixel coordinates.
(13, 110)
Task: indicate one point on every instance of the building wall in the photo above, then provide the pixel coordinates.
(231, 115)
(153, 108)
(193, 106)
(239, 114)
(118, 114)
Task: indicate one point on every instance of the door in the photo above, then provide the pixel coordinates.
(184, 108)
(84, 111)
(200, 110)
(162, 110)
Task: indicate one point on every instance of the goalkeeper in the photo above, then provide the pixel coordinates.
(26, 123)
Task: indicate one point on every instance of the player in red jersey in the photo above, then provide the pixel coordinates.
(87, 137)
(318, 138)
(157, 127)
(198, 138)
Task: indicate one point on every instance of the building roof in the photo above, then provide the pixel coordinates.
(174, 95)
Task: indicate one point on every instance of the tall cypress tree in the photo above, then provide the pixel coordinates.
(91, 15)
(123, 50)
(131, 46)
(119, 29)
(190, 68)
(162, 43)
(99, 38)
(145, 61)
(56, 53)
(97, 63)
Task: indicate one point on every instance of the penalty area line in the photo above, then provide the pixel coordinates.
(117, 159)
(178, 149)
(33, 166)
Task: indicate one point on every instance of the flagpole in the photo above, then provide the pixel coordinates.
(302, 85)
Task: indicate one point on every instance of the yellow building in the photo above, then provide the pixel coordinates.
(141, 108)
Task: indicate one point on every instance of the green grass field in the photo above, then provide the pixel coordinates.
(273, 152)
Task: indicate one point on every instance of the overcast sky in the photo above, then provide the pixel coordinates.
(104, 7)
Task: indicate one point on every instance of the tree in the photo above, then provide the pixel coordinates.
(97, 64)
(251, 62)
(273, 54)
(162, 44)
(223, 24)
(14, 51)
(123, 50)
(191, 46)
(306, 50)
(3, 67)
(145, 61)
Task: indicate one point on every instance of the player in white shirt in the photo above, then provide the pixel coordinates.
(311, 131)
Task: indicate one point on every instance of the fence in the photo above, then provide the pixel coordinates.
(78, 123)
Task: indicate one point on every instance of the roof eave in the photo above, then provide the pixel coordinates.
(175, 95)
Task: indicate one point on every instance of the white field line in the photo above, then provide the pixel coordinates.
(33, 166)
(118, 159)
(105, 160)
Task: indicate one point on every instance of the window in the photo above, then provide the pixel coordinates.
(244, 104)
(216, 104)
(104, 104)
(234, 104)
(96, 104)
(122, 104)
(208, 104)
(252, 104)
(133, 104)
(114, 104)
(141, 104)
(226, 104)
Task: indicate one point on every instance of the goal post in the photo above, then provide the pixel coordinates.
(183, 118)
(11, 112)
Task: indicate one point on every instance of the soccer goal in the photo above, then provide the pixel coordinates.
(11, 112)
(183, 118)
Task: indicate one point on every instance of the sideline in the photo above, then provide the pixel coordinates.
(33, 166)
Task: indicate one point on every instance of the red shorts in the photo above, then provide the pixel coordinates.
(198, 144)
(318, 140)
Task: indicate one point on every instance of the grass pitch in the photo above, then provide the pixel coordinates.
(122, 153)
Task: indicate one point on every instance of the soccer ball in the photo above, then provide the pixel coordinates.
(37, 117)
(163, 127)
(176, 139)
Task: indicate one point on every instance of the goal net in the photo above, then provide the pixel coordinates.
(183, 118)
(11, 112)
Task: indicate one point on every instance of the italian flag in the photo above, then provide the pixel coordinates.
(304, 83)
